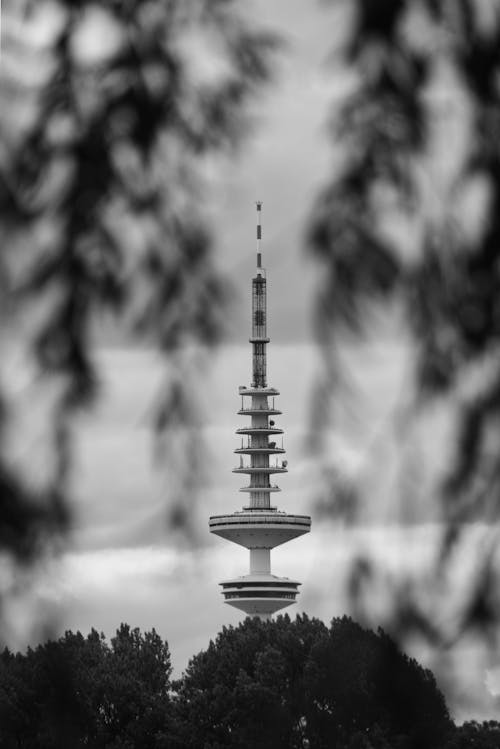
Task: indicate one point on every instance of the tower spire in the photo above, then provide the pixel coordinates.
(259, 338)
(259, 233)
(260, 527)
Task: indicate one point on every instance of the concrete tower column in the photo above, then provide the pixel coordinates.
(260, 561)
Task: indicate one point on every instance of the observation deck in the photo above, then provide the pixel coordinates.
(260, 594)
(256, 410)
(260, 528)
(260, 469)
(243, 390)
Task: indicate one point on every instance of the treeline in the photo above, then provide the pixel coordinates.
(281, 684)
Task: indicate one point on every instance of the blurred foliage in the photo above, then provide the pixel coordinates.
(110, 117)
(411, 59)
(409, 225)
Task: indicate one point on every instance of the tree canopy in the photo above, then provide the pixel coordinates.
(299, 683)
(484, 735)
(275, 684)
(285, 683)
(82, 691)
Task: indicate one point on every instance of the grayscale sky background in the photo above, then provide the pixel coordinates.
(122, 564)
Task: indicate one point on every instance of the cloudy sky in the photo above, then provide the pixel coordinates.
(123, 564)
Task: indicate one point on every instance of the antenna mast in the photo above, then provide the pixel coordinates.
(259, 233)
(259, 338)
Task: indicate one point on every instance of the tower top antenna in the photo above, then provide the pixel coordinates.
(259, 233)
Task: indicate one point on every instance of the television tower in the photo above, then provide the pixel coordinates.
(259, 527)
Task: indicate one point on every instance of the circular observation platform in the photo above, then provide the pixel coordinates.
(264, 410)
(259, 430)
(253, 489)
(266, 450)
(243, 390)
(260, 594)
(260, 469)
(259, 529)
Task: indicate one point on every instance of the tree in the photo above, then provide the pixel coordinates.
(359, 684)
(79, 691)
(479, 735)
(247, 688)
(17, 699)
(286, 683)
(134, 701)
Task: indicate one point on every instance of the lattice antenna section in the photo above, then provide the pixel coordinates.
(259, 338)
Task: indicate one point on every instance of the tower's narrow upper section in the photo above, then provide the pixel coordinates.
(259, 337)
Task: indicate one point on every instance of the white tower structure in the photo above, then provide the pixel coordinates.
(260, 526)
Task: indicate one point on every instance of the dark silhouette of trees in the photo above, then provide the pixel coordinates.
(272, 684)
(478, 735)
(247, 688)
(80, 691)
(298, 683)
(360, 683)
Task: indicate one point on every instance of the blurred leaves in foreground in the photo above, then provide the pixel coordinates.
(410, 225)
(111, 115)
(111, 118)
